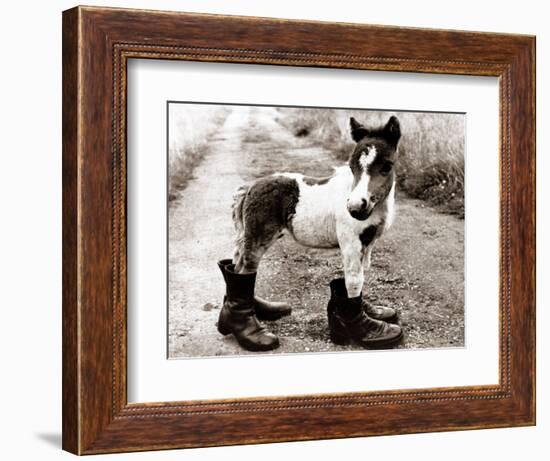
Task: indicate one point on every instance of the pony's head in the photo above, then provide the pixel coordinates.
(371, 163)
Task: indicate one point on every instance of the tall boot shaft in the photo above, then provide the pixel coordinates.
(239, 286)
(349, 307)
(265, 310)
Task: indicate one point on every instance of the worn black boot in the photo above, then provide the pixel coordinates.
(237, 314)
(348, 321)
(265, 310)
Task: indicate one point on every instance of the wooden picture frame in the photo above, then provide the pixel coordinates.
(97, 43)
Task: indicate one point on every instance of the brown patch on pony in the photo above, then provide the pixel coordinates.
(368, 235)
(267, 209)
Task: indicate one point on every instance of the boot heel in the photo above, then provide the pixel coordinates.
(339, 339)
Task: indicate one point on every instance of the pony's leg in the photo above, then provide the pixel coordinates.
(367, 251)
(239, 242)
(237, 216)
(377, 312)
(252, 247)
(352, 257)
(260, 216)
(249, 259)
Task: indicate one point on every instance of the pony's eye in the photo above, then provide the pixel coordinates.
(386, 168)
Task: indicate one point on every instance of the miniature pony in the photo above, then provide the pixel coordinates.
(350, 209)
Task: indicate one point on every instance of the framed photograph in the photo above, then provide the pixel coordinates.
(280, 230)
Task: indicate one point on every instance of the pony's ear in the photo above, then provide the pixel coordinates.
(392, 130)
(357, 130)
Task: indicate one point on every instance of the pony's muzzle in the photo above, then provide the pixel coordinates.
(360, 210)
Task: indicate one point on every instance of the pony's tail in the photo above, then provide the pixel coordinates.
(237, 208)
(238, 221)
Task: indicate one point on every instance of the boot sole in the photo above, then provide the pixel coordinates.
(249, 346)
(373, 344)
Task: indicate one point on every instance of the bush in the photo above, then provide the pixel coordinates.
(190, 127)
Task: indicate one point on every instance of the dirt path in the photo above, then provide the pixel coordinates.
(417, 267)
(200, 230)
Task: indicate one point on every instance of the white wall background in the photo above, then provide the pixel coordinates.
(30, 216)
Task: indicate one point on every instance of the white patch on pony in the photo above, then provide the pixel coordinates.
(367, 158)
(360, 192)
(314, 223)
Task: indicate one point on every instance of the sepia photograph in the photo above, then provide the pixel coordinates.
(313, 229)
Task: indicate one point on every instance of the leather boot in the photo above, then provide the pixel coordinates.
(265, 310)
(349, 323)
(237, 314)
